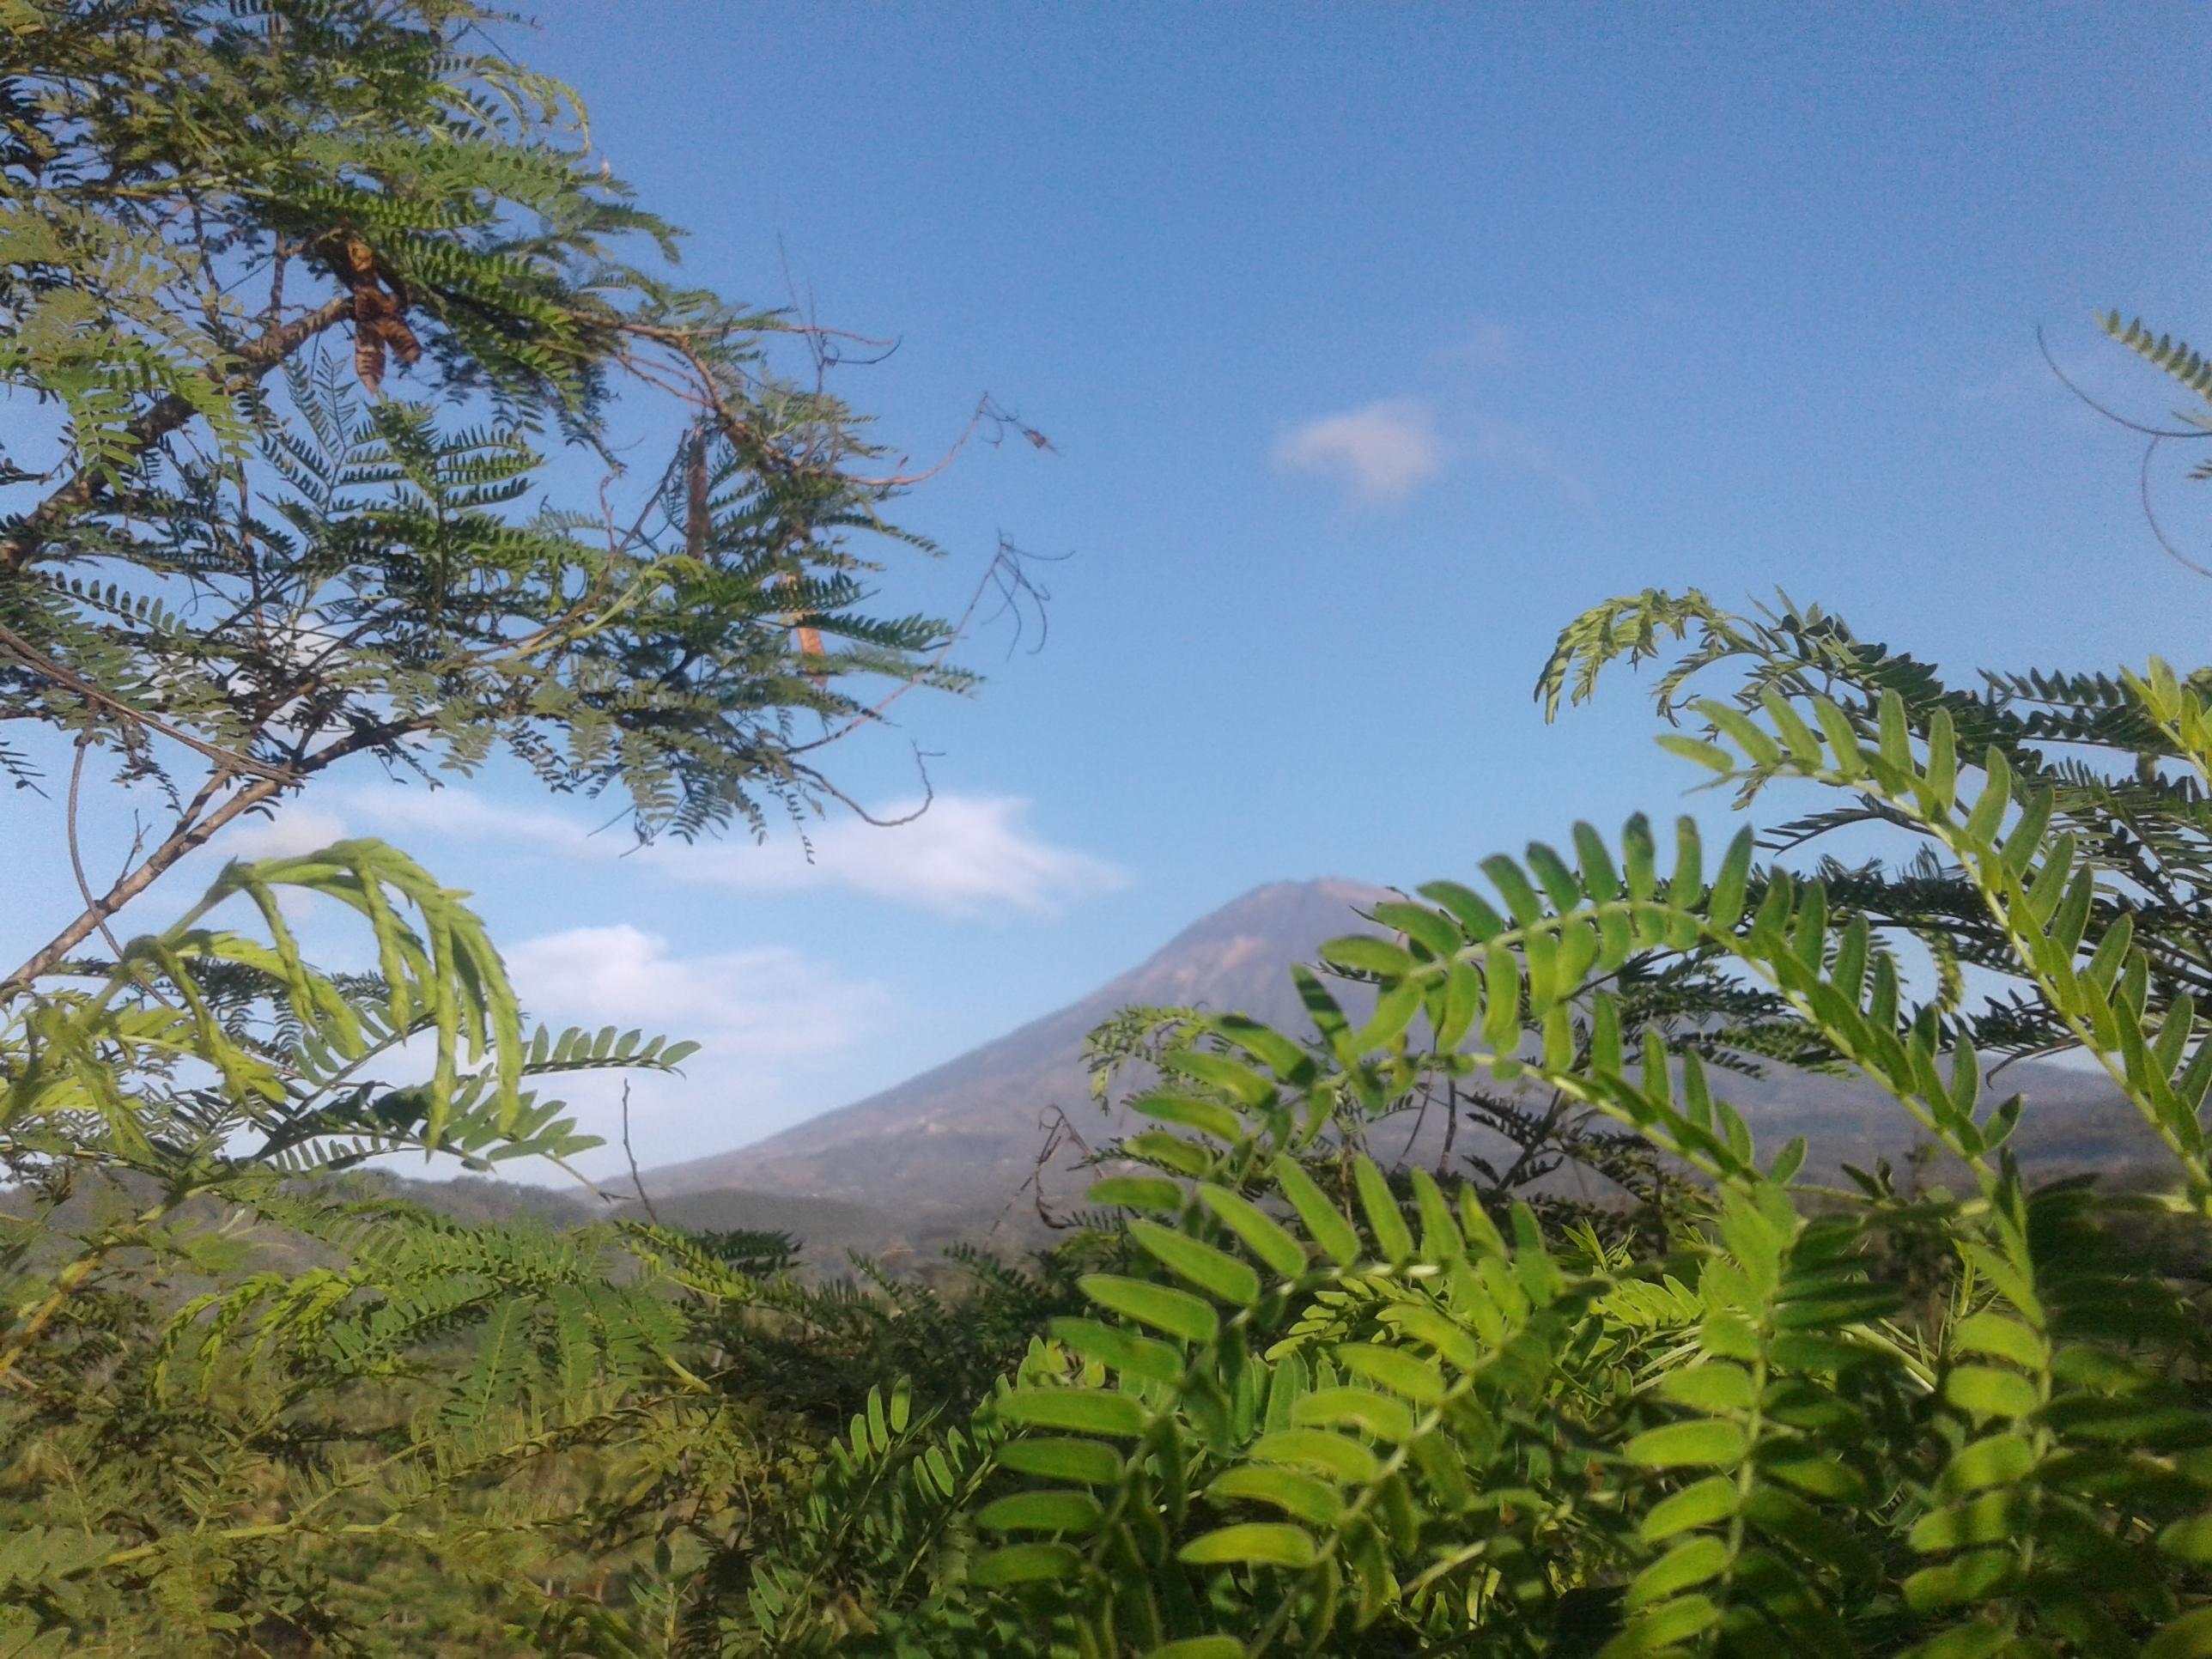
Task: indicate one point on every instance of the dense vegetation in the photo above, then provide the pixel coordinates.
(1280, 1394)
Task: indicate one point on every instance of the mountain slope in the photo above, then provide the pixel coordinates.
(960, 1140)
(945, 1155)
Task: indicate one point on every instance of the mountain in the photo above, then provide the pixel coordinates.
(947, 1152)
(951, 1154)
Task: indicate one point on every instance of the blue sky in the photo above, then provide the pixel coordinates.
(1375, 341)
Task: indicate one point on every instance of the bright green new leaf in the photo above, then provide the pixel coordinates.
(1042, 1511)
(1164, 1307)
(1707, 1443)
(1262, 1234)
(1085, 1411)
(1026, 1563)
(1054, 1458)
(1251, 1543)
(1217, 1274)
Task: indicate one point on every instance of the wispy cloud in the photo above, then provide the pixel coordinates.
(774, 1026)
(460, 814)
(1381, 452)
(759, 1004)
(966, 855)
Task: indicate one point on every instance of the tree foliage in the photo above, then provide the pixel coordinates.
(236, 547)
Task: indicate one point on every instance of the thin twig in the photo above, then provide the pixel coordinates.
(995, 576)
(813, 779)
(636, 1179)
(2150, 515)
(84, 887)
(1059, 1130)
(21, 649)
(2111, 415)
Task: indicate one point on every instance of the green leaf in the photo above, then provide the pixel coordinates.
(1090, 1462)
(2188, 1539)
(1991, 1518)
(1717, 1385)
(1983, 1391)
(1208, 1117)
(2001, 1460)
(1347, 1460)
(1513, 886)
(1994, 1334)
(1699, 1504)
(1220, 1071)
(1217, 1274)
(1436, 934)
(1501, 1000)
(1684, 1567)
(1199, 1647)
(1941, 774)
(1724, 908)
(1026, 1563)
(2189, 1637)
(1977, 1640)
(1085, 1411)
(1123, 1350)
(1392, 1237)
(1740, 730)
(1259, 1230)
(1154, 1193)
(1988, 816)
(1365, 953)
(1075, 1513)
(1361, 1408)
(1325, 1223)
(1961, 1581)
(1161, 1306)
(1599, 877)
(1251, 1543)
(1661, 1628)
(1468, 908)
(1707, 1443)
(1698, 752)
(1393, 1368)
(1300, 1496)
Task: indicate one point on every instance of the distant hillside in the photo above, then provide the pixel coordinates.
(945, 1155)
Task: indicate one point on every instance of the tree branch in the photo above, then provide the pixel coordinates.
(255, 358)
(191, 832)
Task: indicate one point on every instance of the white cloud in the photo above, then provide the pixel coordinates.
(774, 1027)
(768, 1003)
(1381, 451)
(965, 855)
